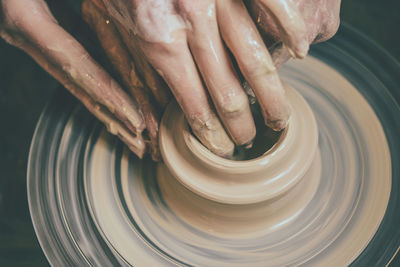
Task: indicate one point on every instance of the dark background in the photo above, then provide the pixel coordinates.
(25, 88)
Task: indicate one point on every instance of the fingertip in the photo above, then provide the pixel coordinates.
(280, 120)
(220, 144)
(227, 154)
(249, 144)
(222, 147)
(213, 136)
(277, 125)
(302, 49)
(240, 124)
(299, 50)
(244, 134)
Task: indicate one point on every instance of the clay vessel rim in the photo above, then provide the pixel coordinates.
(205, 155)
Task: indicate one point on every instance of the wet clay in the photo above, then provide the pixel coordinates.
(247, 181)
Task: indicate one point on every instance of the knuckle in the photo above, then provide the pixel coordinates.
(329, 28)
(156, 21)
(233, 104)
(11, 37)
(257, 65)
(256, 71)
(332, 27)
(198, 9)
(200, 121)
(170, 49)
(327, 32)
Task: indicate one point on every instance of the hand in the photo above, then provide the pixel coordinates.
(185, 42)
(289, 26)
(29, 25)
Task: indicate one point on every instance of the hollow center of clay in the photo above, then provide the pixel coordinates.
(265, 139)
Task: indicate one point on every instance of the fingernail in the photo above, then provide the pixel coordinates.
(277, 125)
(248, 145)
(302, 49)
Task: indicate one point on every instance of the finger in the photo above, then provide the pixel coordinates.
(241, 36)
(291, 25)
(39, 27)
(39, 53)
(176, 64)
(217, 72)
(329, 20)
(135, 142)
(144, 70)
(279, 54)
(121, 60)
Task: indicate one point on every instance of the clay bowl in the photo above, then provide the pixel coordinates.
(245, 181)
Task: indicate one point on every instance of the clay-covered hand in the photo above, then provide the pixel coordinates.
(189, 44)
(29, 25)
(289, 26)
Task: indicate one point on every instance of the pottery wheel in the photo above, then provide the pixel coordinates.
(93, 202)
